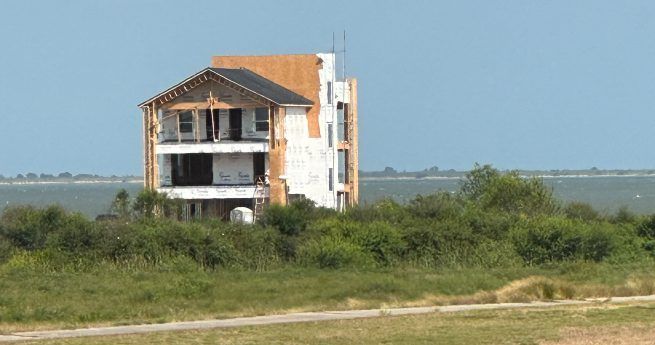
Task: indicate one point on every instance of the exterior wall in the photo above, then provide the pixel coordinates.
(233, 169)
(306, 160)
(327, 119)
(341, 92)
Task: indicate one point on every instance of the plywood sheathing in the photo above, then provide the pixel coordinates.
(277, 157)
(298, 73)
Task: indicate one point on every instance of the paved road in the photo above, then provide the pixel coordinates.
(298, 317)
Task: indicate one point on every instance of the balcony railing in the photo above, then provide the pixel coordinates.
(215, 192)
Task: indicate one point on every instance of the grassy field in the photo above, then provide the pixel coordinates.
(111, 295)
(597, 324)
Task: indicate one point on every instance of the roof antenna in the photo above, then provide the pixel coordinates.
(344, 55)
(332, 42)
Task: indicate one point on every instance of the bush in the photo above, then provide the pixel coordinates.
(258, 248)
(624, 215)
(441, 205)
(27, 227)
(150, 203)
(433, 243)
(381, 240)
(553, 239)
(488, 224)
(581, 211)
(386, 210)
(290, 221)
(646, 227)
(334, 252)
(508, 192)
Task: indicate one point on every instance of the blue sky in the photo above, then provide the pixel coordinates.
(519, 84)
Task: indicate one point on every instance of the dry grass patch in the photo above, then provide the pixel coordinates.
(626, 335)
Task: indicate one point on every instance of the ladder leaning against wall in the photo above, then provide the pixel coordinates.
(260, 193)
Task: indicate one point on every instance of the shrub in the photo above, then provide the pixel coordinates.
(381, 240)
(646, 227)
(386, 210)
(258, 248)
(624, 215)
(487, 224)
(436, 242)
(28, 227)
(150, 203)
(508, 192)
(121, 204)
(552, 239)
(75, 235)
(290, 221)
(581, 211)
(334, 252)
(439, 205)
(477, 181)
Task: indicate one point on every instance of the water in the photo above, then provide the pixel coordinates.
(606, 194)
(90, 199)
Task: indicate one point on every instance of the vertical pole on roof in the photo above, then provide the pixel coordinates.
(179, 138)
(211, 115)
(196, 125)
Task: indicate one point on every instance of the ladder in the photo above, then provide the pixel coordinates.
(259, 197)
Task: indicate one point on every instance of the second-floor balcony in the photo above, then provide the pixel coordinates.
(220, 131)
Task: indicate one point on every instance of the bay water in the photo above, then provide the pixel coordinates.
(605, 193)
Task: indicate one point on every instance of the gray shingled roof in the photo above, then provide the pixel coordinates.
(262, 86)
(253, 82)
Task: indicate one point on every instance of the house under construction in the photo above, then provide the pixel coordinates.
(254, 130)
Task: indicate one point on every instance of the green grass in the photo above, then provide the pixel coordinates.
(527, 326)
(32, 298)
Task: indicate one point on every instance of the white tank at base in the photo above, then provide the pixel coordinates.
(242, 215)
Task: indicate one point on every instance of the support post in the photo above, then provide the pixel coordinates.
(196, 126)
(154, 126)
(277, 157)
(146, 154)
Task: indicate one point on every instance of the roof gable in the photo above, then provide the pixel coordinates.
(236, 78)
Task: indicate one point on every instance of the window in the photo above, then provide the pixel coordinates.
(329, 135)
(261, 119)
(193, 169)
(330, 178)
(329, 90)
(186, 122)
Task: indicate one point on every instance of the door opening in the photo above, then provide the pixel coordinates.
(235, 124)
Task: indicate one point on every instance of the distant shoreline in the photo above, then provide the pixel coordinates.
(3, 183)
(411, 178)
(366, 178)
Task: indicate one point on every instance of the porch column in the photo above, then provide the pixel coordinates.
(277, 157)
